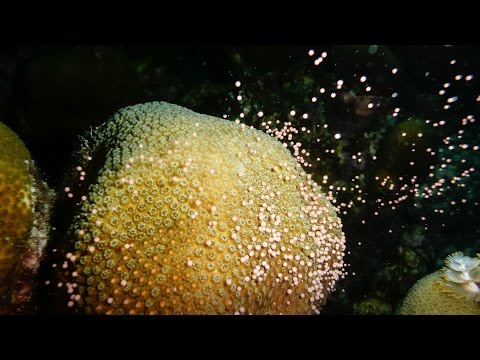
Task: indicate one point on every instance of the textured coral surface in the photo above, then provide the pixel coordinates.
(15, 206)
(429, 297)
(194, 214)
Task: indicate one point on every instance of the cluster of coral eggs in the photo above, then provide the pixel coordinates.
(192, 214)
(454, 290)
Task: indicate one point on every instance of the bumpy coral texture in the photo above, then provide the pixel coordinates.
(15, 206)
(192, 214)
(428, 297)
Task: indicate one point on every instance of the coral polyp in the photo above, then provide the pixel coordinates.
(186, 213)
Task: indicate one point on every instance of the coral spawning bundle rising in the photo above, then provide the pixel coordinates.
(190, 214)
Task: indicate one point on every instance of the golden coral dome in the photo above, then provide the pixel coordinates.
(193, 214)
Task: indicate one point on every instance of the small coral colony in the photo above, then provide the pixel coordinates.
(174, 212)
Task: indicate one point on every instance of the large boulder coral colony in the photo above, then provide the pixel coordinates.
(25, 202)
(183, 213)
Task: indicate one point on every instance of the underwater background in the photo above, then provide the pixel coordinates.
(390, 132)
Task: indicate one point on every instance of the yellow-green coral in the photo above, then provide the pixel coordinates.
(372, 306)
(453, 290)
(15, 184)
(23, 221)
(195, 214)
(15, 206)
